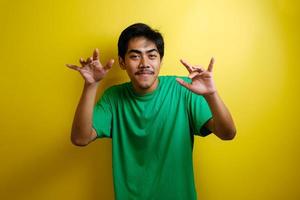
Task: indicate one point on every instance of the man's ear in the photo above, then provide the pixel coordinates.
(161, 61)
(122, 63)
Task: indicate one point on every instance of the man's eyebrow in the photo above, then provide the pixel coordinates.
(151, 50)
(134, 51)
(139, 52)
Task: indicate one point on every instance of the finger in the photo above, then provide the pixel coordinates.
(84, 71)
(82, 62)
(211, 64)
(75, 67)
(187, 65)
(109, 64)
(198, 68)
(193, 75)
(96, 54)
(183, 83)
(89, 60)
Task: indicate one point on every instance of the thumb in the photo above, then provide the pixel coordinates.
(73, 67)
(183, 83)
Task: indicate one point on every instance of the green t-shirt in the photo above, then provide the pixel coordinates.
(152, 139)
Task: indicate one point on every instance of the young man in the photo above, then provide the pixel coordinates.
(152, 119)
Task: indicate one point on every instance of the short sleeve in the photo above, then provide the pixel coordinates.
(102, 117)
(199, 113)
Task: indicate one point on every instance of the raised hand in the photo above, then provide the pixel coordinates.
(92, 70)
(202, 81)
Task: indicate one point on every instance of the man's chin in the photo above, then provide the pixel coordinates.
(145, 86)
(144, 83)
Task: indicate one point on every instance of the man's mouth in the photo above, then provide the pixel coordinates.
(144, 72)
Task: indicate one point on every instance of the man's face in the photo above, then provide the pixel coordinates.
(142, 64)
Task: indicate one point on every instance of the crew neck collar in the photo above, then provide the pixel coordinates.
(145, 96)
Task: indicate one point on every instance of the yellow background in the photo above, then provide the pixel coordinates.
(256, 46)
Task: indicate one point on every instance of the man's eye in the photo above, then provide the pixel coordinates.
(134, 56)
(152, 55)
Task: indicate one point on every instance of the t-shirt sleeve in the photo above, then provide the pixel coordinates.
(102, 116)
(199, 113)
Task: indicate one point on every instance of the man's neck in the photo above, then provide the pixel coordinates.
(143, 91)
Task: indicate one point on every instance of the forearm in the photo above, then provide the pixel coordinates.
(82, 123)
(223, 125)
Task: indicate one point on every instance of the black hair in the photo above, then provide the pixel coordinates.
(140, 30)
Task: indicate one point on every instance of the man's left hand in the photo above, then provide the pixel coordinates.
(202, 81)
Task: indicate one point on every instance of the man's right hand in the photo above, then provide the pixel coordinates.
(92, 70)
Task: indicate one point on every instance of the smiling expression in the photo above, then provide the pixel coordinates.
(142, 64)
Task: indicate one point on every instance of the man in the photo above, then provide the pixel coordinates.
(151, 119)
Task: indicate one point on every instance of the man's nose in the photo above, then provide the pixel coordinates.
(144, 63)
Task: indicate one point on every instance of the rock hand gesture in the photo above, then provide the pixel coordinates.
(202, 81)
(92, 70)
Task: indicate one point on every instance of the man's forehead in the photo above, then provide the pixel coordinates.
(141, 44)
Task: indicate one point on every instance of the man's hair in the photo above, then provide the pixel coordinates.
(140, 30)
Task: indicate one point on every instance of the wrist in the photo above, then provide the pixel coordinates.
(210, 96)
(91, 85)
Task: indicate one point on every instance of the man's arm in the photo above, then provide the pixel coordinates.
(93, 72)
(222, 123)
(82, 131)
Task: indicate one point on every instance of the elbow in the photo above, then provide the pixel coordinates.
(78, 142)
(228, 135)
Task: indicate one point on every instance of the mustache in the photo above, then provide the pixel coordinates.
(144, 71)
